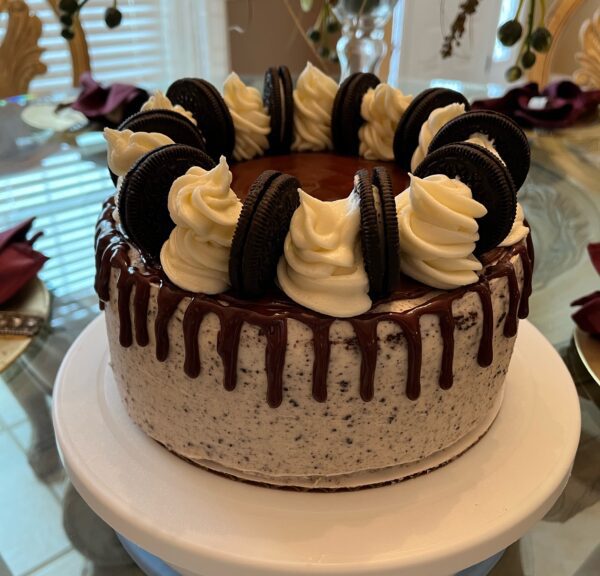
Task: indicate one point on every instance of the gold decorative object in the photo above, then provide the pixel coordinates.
(588, 75)
(19, 53)
(33, 299)
(559, 15)
(78, 46)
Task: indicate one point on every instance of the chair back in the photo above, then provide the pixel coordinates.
(20, 53)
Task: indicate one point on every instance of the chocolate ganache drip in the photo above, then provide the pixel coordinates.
(133, 284)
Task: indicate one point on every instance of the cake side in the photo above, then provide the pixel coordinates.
(311, 326)
(302, 440)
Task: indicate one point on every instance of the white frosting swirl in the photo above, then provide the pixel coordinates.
(313, 105)
(158, 101)
(250, 119)
(484, 141)
(322, 266)
(381, 108)
(125, 147)
(438, 231)
(438, 118)
(518, 230)
(205, 211)
(117, 198)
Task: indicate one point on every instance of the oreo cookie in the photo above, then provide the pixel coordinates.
(378, 230)
(172, 124)
(260, 233)
(391, 238)
(371, 232)
(278, 92)
(143, 199)
(346, 119)
(406, 137)
(508, 139)
(207, 106)
(489, 181)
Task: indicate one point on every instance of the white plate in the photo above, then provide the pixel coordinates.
(432, 525)
(46, 117)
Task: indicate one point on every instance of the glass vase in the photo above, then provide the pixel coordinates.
(361, 47)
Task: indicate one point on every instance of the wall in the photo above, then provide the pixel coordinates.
(269, 36)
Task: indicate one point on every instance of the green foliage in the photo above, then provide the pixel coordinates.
(70, 9)
(541, 39)
(509, 34)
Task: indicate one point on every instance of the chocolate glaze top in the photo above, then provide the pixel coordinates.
(325, 175)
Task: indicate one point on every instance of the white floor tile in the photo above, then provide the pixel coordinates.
(70, 564)
(58, 480)
(31, 529)
(10, 410)
(559, 551)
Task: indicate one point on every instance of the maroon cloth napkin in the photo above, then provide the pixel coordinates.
(108, 105)
(588, 316)
(19, 262)
(567, 103)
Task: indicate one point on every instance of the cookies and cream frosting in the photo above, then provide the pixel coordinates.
(158, 101)
(205, 210)
(250, 118)
(125, 148)
(438, 118)
(438, 231)
(381, 108)
(313, 105)
(322, 266)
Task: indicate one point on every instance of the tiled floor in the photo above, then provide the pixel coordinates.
(33, 541)
(32, 534)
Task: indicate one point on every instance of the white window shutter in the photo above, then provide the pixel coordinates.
(157, 42)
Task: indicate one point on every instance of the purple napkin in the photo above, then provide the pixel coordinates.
(588, 316)
(19, 262)
(108, 105)
(567, 103)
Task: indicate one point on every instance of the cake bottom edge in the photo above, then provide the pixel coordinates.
(359, 480)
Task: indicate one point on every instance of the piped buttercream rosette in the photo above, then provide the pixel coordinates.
(338, 257)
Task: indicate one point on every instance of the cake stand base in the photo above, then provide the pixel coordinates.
(153, 566)
(433, 525)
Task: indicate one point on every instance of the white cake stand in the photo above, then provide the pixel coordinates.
(432, 525)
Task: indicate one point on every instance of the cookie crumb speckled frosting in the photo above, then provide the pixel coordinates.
(323, 321)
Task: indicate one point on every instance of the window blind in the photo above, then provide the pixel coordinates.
(64, 185)
(64, 192)
(135, 52)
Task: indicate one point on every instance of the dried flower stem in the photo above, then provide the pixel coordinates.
(543, 13)
(457, 30)
(518, 10)
(300, 28)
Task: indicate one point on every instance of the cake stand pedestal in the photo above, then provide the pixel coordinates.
(153, 566)
(434, 525)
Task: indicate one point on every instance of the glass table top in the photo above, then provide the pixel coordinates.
(62, 180)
